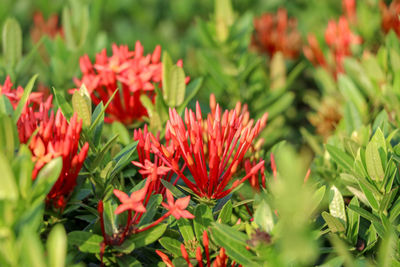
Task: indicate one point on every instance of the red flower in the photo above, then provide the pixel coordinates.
(55, 138)
(313, 52)
(132, 203)
(275, 33)
(148, 161)
(349, 8)
(212, 150)
(177, 208)
(339, 38)
(133, 73)
(42, 27)
(221, 260)
(390, 16)
(14, 95)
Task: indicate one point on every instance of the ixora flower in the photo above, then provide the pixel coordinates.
(131, 72)
(212, 150)
(221, 260)
(275, 33)
(148, 161)
(390, 16)
(43, 27)
(14, 95)
(55, 137)
(339, 38)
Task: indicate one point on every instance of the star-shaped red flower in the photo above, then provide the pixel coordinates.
(177, 208)
(134, 202)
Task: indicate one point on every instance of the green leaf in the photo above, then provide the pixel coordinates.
(172, 245)
(98, 117)
(82, 105)
(264, 217)
(123, 158)
(234, 243)
(151, 209)
(369, 195)
(27, 90)
(340, 157)
(46, 178)
(8, 188)
(225, 213)
(317, 197)
(203, 219)
(63, 104)
(123, 134)
(166, 68)
(8, 136)
(86, 242)
(128, 261)
(336, 205)
(334, 224)
(186, 229)
(371, 217)
(353, 223)
(57, 246)
(31, 252)
(375, 156)
(149, 236)
(127, 247)
(387, 251)
(12, 42)
(193, 88)
(351, 93)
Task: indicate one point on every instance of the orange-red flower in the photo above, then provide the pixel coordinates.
(55, 138)
(131, 72)
(221, 260)
(14, 95)
(43, 27)
(212, 150)
(349, 9)
(339, 38)
(178, 208)
(390, 16)
(132, 203)
(277, 32)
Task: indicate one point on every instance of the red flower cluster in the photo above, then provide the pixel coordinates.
(211, 149)
(390, 16)
(275, 33)
(349, 10)
(339, 38)
(221, 260)
(42, 27)
(14, 95)
(131, 72)
(55, 138)
(148, 161)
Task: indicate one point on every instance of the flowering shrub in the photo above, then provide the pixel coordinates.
(139, 165)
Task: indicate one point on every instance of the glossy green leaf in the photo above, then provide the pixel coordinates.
(27, 90)
(225, 213)
(85, 241)
(123, 134)
(46, 178)
(151, 209)
(234, 243)
(82, 105)
(66, 108)
(203, 219)
(186, 229)
(333, 223)
(375, 156)
(172, 245)
(336, 205)
(353, 223)
(147, 237)
(317, 197)
(340, 157)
